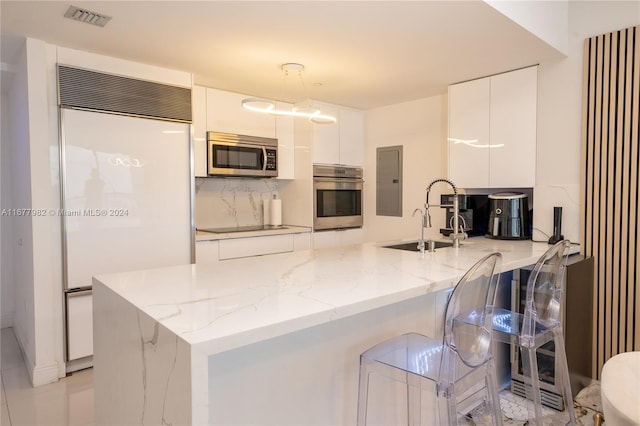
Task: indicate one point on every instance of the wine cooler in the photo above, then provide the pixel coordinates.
(577, 325)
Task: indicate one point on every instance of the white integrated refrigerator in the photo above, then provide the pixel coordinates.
(126, 205)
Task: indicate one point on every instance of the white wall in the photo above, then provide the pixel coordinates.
(421, 128)
(6, 221)
(548, 20)
(21, 243)
(36, 238)
(560, 115)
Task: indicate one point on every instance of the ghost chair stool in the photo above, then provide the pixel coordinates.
(540, 323)
(457, 369)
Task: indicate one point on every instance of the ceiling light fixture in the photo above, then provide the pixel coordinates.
(267, 106)
(474, 143)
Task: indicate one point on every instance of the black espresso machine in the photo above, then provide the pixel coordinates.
(474, 212)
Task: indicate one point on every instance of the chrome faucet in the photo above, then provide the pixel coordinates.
(422, 217)
(456, 235)
(463, 225)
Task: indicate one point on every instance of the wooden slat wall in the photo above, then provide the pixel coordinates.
(610, 154)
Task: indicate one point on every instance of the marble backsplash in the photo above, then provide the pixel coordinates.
(229, 202)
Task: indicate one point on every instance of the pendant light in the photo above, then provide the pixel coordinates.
(267, 106)
(474, 143)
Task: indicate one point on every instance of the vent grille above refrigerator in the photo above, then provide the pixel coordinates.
(87, 16)
(95, 91)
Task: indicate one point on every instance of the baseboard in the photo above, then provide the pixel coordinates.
(39, 375)
(79, 364)
(44, 375)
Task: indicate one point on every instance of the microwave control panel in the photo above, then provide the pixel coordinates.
(272, 162)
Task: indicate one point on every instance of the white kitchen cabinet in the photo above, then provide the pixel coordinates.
(492, 131)
(513, 129)
(339, 238)
(286, 143)
(226, 114)
(220, 111)
(326, 137)
(211, 251)
(468, 133)
(351, 137)
(199, 125)
(255, 246)
(302, 241)
(79, 325)
(207, 252)
(341, 142)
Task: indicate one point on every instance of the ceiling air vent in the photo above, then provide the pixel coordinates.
(86, 16)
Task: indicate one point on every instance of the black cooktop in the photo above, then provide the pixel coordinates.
(241, 229)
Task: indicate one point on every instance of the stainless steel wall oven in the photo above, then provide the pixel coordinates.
(337, 197)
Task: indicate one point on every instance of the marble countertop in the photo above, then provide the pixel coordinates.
(221, 306)
(286, 229)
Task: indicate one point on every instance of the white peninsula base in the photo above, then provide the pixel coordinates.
(271, 340)
(145, 374)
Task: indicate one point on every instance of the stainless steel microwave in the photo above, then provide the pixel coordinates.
(241, 155)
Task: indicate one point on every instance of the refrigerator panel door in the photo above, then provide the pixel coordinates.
(127, 194)
(79, 325)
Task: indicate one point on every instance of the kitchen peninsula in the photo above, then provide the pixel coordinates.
(269, 339)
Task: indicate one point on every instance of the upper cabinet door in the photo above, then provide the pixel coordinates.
(199, 106)
(469, 137)
(226, 114)
(326, 137)
(513, 128)
(286, 143)
(341, 142)
(492, 131)
(351, 137)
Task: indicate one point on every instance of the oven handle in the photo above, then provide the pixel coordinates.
(338, 180)
(338, 184)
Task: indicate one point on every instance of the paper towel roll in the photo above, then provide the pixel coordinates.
(276, 212)
(266, 212)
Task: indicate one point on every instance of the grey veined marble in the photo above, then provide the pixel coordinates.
(230, 202)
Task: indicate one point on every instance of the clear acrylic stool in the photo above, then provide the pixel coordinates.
(458, 370)
(540, 323)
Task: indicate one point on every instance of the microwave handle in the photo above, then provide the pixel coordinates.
(264, 158)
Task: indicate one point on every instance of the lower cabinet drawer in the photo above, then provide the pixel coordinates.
(79, 325)
(207, 252)
(343, 237)
(254, 246)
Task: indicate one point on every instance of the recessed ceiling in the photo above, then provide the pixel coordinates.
(356, 53)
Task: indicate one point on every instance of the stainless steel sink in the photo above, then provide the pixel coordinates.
(413, 246)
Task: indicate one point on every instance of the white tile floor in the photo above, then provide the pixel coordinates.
(66, 402)
(70, 400)
(587, 403)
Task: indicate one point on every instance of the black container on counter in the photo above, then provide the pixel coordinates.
(509, 216)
